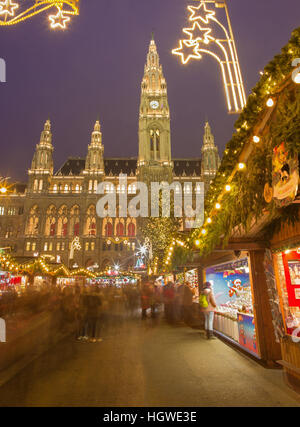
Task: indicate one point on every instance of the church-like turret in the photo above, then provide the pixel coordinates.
(94, 163)
(210, 157)
(42, 163)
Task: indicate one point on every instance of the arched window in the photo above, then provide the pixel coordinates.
(35, 185)
(62, 227)
(151, 140)
(154, 143)
(108, 229)
(33, 221)
(131, 229)
(120, 229)
(74, 221)
(90, 227)
(95, 186)
(76, 229)
(50, 229)
(157, 140)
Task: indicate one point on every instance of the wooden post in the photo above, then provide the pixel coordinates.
(270, 351)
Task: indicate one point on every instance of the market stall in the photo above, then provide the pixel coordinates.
(234, 317)
(12, 282)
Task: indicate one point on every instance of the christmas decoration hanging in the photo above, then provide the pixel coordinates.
(13, 12)
(208, 35)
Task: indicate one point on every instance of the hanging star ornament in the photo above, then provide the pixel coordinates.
(7, 7)
(199, 34)
(197, 10)
(187, 50)
(59, 20)
(14, 12)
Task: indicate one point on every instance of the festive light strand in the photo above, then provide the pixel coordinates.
(65, 9)
(202, 40)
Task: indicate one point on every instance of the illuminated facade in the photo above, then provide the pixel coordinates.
(57, 207)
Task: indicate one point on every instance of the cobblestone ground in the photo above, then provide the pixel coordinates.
(146, 363)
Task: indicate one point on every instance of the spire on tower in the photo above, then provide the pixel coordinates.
(208, 138)
(94, 161)
(97, 127)
(46, 135)
(42, 162)
(210, 156)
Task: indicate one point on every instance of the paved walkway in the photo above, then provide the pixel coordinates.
(147, 363)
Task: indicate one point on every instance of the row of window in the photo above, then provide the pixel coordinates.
(92, 188)
(11, 210)
(64, 222)
(60, 246)
(118, 246)
(109, 188)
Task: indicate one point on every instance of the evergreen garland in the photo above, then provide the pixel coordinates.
(245, 203)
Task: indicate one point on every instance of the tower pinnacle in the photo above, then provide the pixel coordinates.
(94, 161)
(154, 119)
(210, 156)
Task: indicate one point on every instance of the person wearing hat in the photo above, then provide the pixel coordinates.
(208, 304)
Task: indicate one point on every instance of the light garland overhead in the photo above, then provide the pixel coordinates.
(208, 35)
(13, 12)
(40, 264)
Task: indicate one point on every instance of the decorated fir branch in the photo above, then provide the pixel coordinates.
(237, 197)
(244, 202)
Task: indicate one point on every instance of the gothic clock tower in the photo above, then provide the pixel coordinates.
(154, 161)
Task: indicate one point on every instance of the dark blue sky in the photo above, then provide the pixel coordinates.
(94, 69)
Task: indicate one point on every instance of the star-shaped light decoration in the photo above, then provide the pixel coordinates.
(195, 10)
(197, 33)
(7, 7)
(187, 50)
(59, 20)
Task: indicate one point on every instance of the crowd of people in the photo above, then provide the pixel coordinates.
(177, 299)
(86, 306)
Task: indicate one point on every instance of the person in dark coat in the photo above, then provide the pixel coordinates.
(93, 304)
(147, 295)
(187, 303)
(169, 298)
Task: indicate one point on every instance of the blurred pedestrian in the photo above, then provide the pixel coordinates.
(93, 304)
(147, 294)
(187, 304)
(208, 304)
(169, 297)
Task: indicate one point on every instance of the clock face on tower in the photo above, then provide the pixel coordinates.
(154, 105)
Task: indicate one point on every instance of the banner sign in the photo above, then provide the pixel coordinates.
(285, 176)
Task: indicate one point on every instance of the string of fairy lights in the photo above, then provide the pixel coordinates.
(11, 265)
(272, 94)
(13, 12)
(41, 265)
(211, 35)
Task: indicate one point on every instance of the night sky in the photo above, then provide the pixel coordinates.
(94, 69)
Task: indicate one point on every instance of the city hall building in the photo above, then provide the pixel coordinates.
(44, 216)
